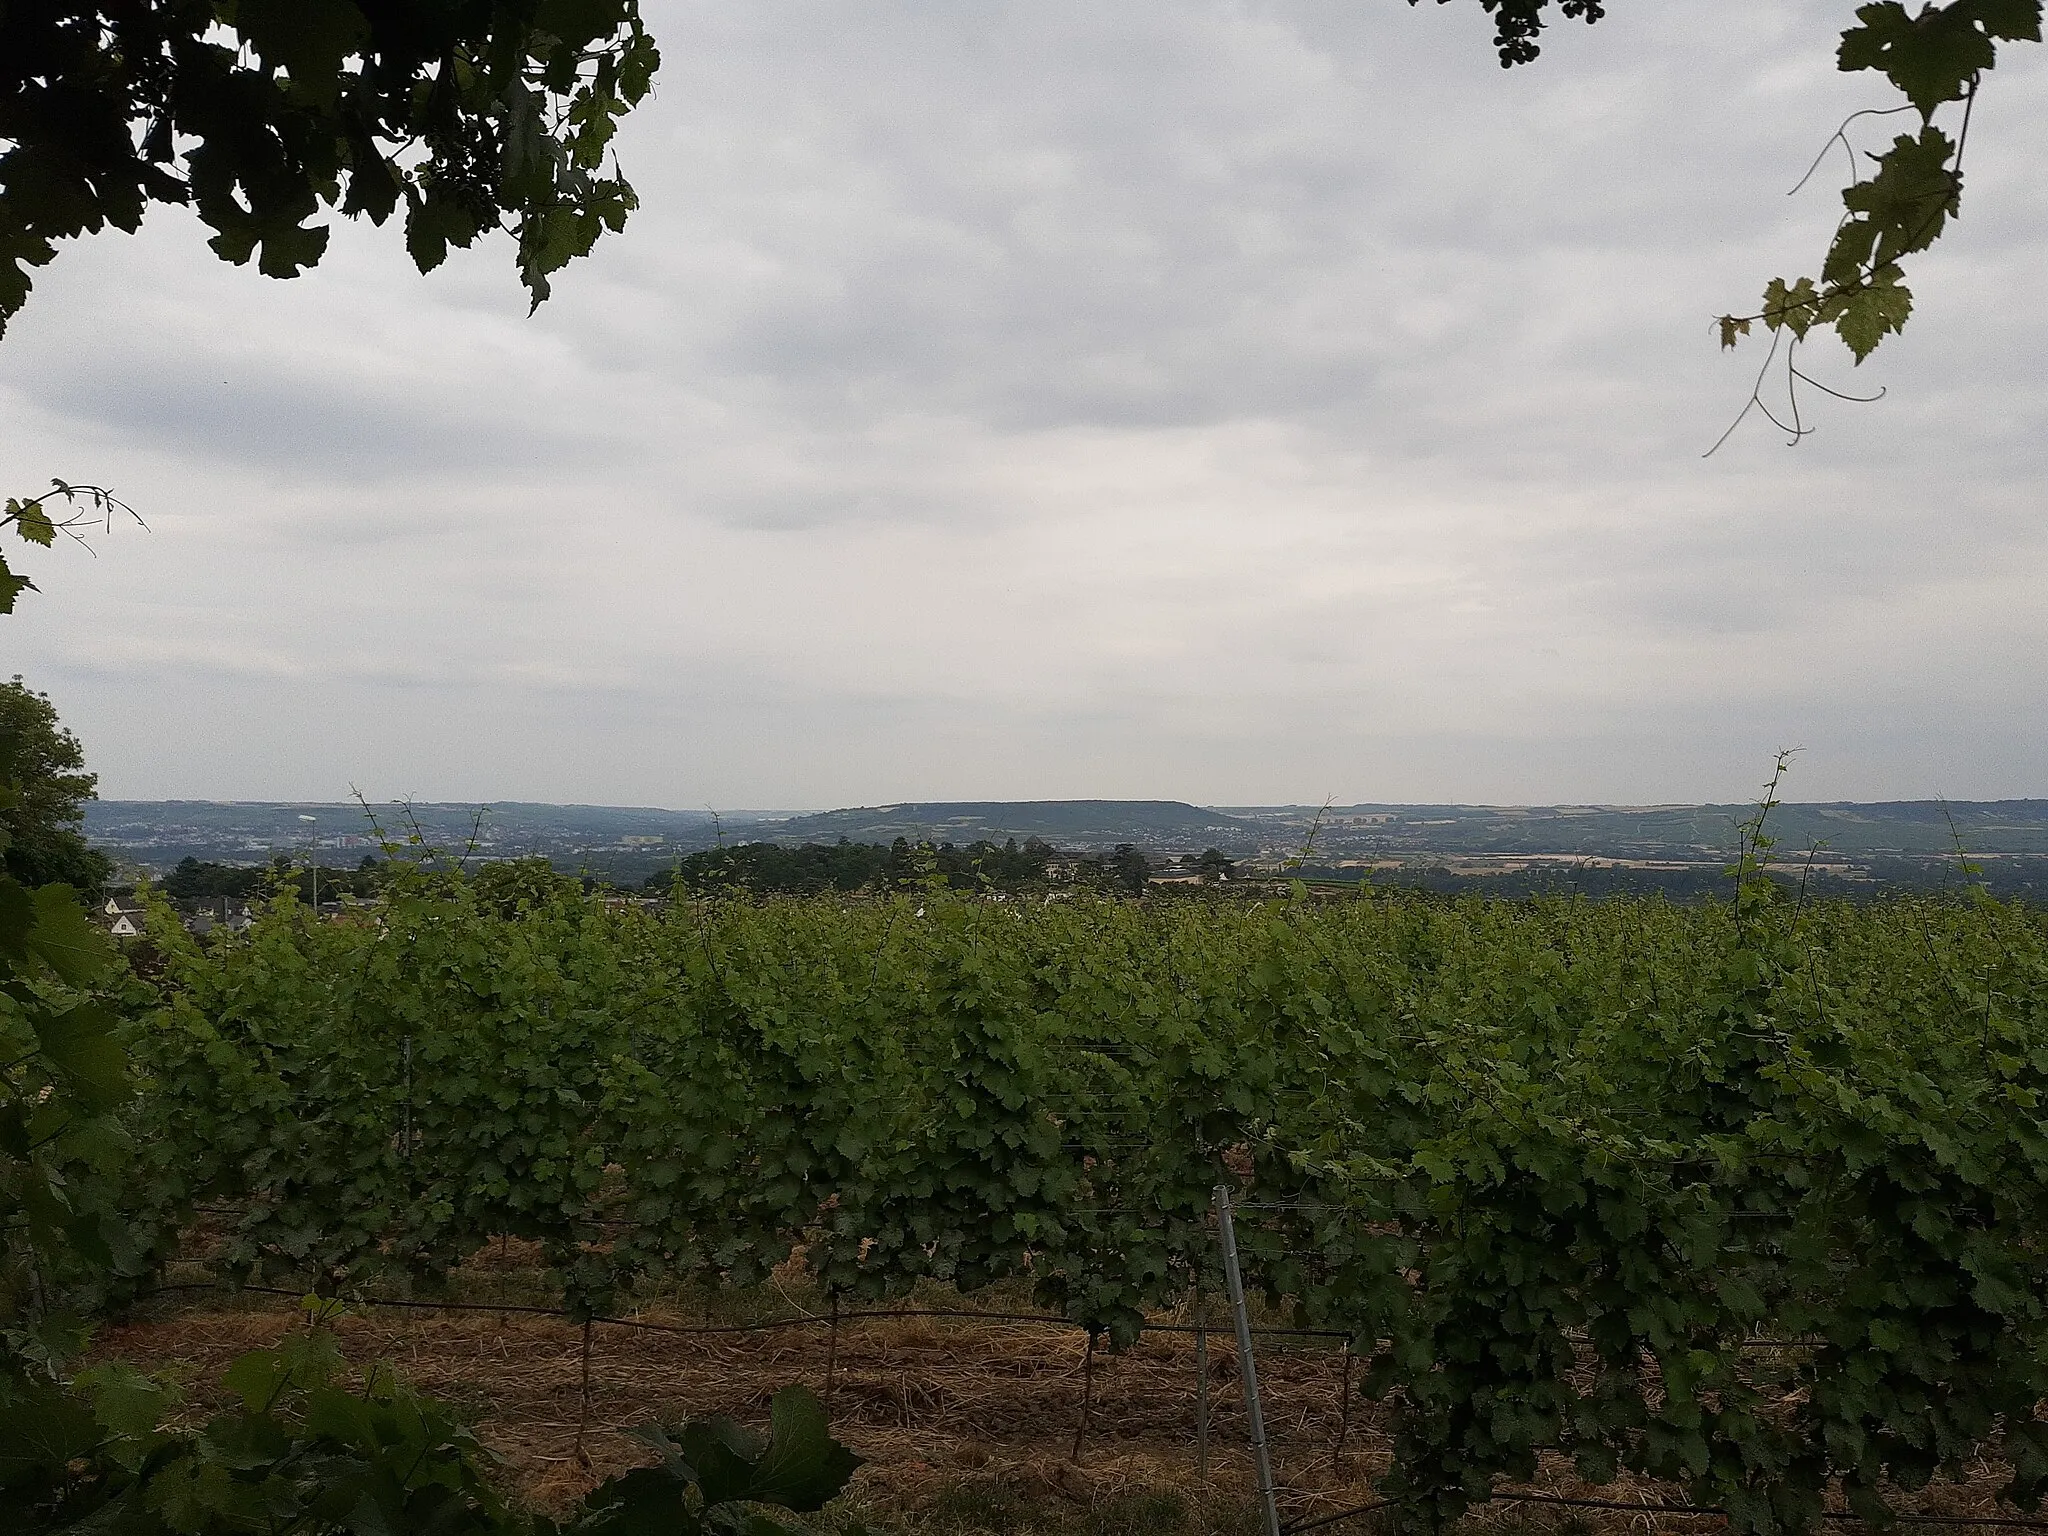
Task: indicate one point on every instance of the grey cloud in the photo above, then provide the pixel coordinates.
(1059, 398)
(228, 409)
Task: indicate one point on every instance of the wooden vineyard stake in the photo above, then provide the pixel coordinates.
(1087, 1398)
(583, 1414)
(1344, 1402)
(832, 1351)
(1201, 1387)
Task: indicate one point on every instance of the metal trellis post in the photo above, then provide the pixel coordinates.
(1247, 1369)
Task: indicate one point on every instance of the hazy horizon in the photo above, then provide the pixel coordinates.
(790, 812)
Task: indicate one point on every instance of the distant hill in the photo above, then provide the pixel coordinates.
(1910, 842)
(1080, 824)
(1918, 828)
(158, 833)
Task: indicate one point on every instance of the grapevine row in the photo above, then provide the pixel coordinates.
(1549, 1164)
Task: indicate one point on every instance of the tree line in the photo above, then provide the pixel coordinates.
(757, 869)
(983, 865)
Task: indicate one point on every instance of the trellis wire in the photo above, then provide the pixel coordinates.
(770, 1325)
(2020, 1522)
(1198, 1329)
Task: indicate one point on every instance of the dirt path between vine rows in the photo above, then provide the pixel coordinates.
(965, 1424)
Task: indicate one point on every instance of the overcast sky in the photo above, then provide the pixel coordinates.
(1229, 402)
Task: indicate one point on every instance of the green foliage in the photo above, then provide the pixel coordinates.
(33, 524)
(1565, 1159)
(259, 114)
(62, 1146)
(514, 886)
(1935, 58)
(766, 869)
(298, 1452)
(63, 1078)
(301, 1452)
(711, 1470)
(196, 879)
(1128, 868)
(37, 520)
(42, 803)
(63, 1151)
(90, 1453)
(203, 880)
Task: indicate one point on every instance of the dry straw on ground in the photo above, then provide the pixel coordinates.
(965, 1424)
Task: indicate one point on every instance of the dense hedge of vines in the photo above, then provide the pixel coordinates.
(1555, 1166)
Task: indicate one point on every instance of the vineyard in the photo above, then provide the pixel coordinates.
(1554, 1168)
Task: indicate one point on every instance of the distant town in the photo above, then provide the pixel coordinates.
(1679, 850)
